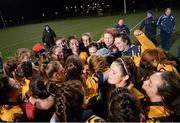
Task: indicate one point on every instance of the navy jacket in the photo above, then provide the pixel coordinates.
(166, 23)
(122, 29)
(150, 26)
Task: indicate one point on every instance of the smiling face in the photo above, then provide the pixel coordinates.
(60, 43)
(85, 40)
(59, 54)
(92, 50)
(108, 39)
(151, 85)
(74, 45)
(120, 44)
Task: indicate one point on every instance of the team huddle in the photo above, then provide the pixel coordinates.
(82, 80)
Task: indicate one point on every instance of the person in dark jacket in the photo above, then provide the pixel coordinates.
(122, 27)
(48, 37)
(166, 24)
(150, 26)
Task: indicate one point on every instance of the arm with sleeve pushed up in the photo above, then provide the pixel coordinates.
(143, 40)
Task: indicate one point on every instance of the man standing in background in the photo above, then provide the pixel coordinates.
(150, 26)
(166, 24)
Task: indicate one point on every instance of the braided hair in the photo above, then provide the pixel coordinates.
(123, 106)
(73, 68)
(69, 99)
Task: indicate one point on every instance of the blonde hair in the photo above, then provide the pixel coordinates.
(53, 67)
(23, 53)
(87, 34)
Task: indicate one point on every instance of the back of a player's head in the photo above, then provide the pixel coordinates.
(69, 100)
(123, 106)
(149, 56)
(24, 69)
(23, 54)
(97, 64)
(38, 88)
(169, 91)
(9, 66)
(73, 67)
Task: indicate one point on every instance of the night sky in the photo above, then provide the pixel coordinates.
(32, 9)
(28, 8)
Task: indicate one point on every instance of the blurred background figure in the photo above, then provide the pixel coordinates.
(150, 26)
(166, 24)
(122, 27)
(48, 37)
